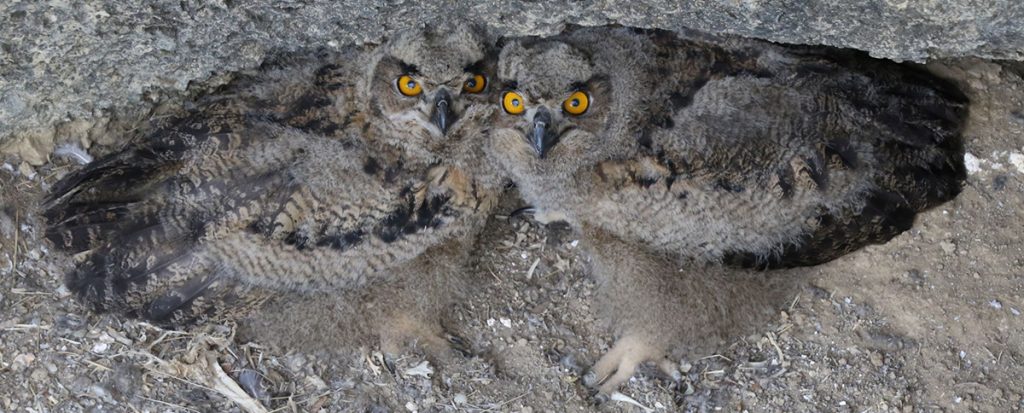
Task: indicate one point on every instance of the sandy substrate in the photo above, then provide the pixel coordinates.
(931, 321)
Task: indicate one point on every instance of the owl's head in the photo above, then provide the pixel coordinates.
(564, 105)
(431, 87)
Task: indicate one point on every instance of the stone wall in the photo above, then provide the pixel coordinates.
(67, 66)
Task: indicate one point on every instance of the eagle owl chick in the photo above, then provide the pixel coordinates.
(717, 150)
(313, 174)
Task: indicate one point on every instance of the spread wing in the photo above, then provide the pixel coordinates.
(775, 156)
(189, 220)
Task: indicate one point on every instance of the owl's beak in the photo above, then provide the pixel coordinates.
(442, 113)
(541, 135)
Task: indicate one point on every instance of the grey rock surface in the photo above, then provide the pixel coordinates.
(67, 67)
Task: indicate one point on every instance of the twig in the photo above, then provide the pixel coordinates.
(22, 291)
(716, 356)
(619, 397)
(491, 271)
(506, 402)
(96, 365)
(67, 340)
(227, 386)
(17, 231)
(529, 273)
(792, 305)
(771, 339)
(23, 327)
(162, 337)
(175, 377)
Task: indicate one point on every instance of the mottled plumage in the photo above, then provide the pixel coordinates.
(313, 173)
(720, 150)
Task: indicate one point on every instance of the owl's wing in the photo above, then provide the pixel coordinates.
(902, 142)
(783, 157)
(188, 220)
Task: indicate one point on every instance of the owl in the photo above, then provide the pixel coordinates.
(691, 151)
(312, 174)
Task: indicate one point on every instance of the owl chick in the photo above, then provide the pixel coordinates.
(310, 175)
(717, 150)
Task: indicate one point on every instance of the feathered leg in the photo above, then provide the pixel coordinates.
(655, 305)
(405, 310)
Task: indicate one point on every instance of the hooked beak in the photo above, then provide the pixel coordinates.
(442, 113)
(541, 136)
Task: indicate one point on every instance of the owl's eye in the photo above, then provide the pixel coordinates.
(475, 85)
(513, 103)
(577, 103)
(408, 86)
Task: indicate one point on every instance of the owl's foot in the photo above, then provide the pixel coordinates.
(438, 345)
(619, 363)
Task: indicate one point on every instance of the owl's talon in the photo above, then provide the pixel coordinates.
(460, 345)
(526, 210)
(619, 363)
(599, 398)
(389, 363)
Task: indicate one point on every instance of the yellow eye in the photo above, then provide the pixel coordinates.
(475, 85)
(513, 103)
(577, 103)
(408, 86)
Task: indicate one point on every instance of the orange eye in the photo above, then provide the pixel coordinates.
(408, 86)
(577, 103)
(475, 85)
(513, 103)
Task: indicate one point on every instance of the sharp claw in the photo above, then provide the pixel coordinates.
(460, 345)
(679, 396)
(524, 210)
(590, 379)
(389, 363)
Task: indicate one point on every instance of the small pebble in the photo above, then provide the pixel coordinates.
(947, 247)
(26, 170)
(22, 361)
(39, 374)
(876, 359)
(100, 348)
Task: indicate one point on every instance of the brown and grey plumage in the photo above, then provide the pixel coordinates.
(722, 150)
(311, 174)
(411, 309)
(683, 134)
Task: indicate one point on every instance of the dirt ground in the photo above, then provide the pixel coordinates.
(930, 321)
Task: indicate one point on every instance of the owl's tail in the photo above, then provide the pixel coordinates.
(137, 225)
(170, 283)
